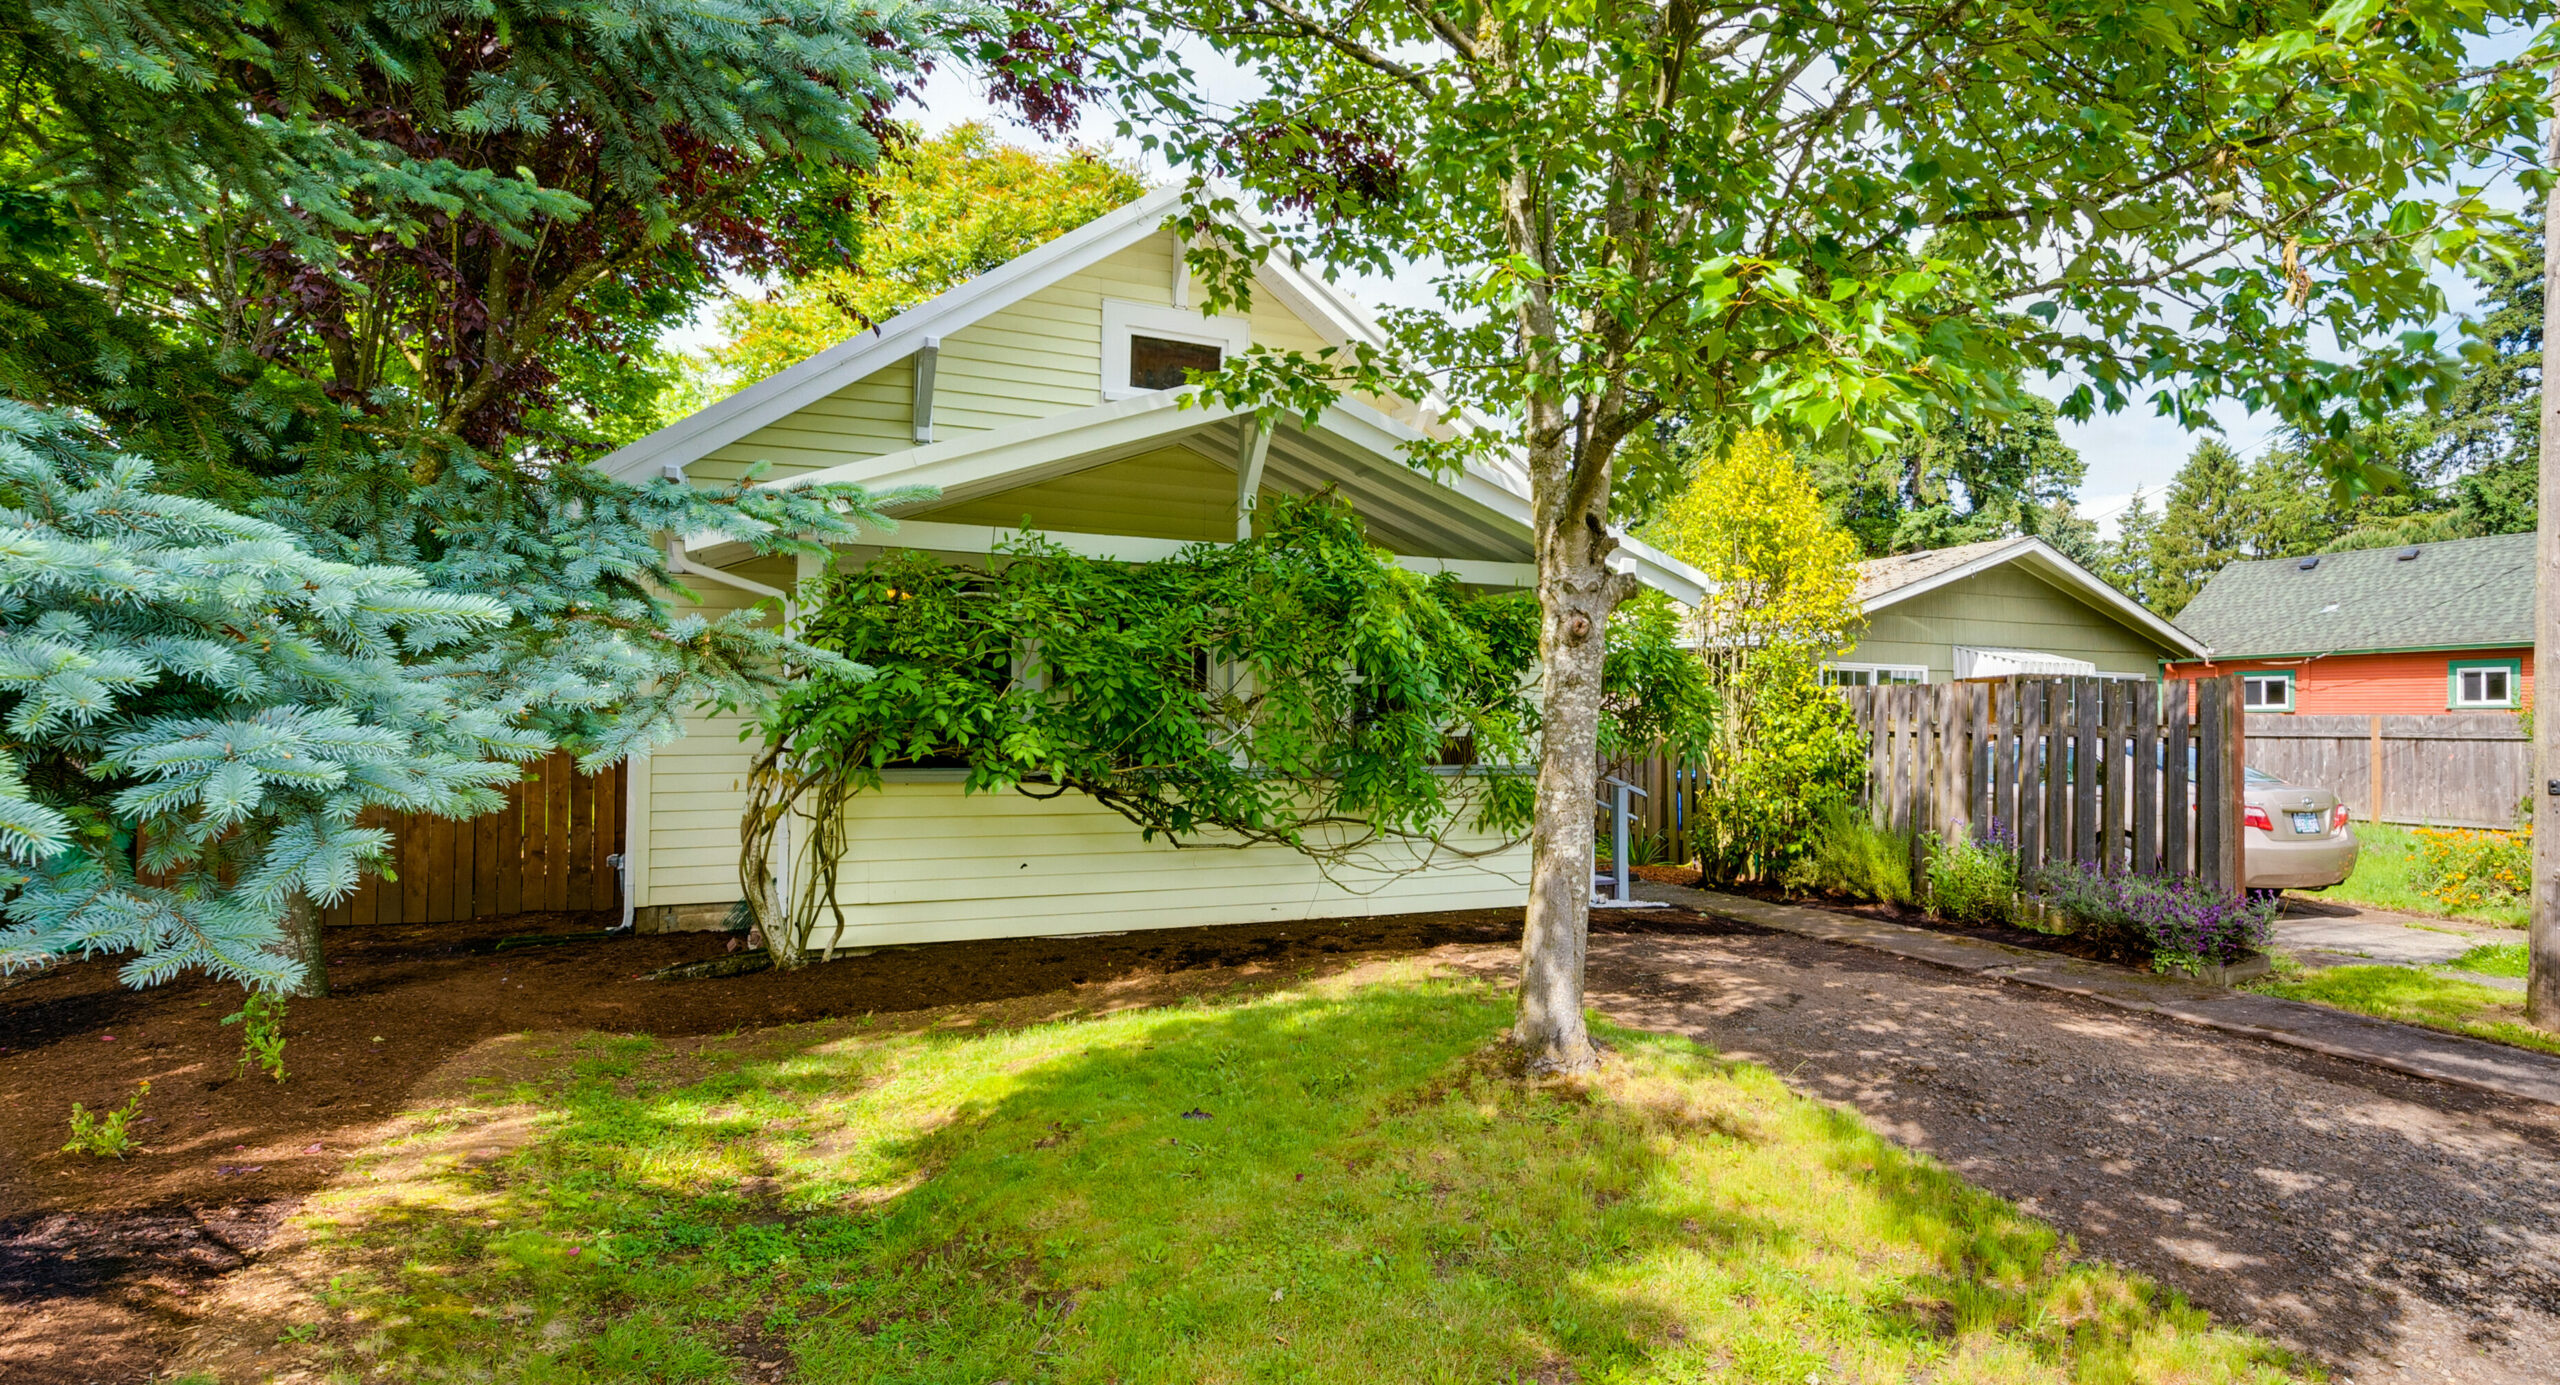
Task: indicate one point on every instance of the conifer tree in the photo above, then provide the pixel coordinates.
(375, 277)
(197, 709)
(2204, 523)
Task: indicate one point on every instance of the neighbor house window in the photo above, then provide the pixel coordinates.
(2266, 692)
(1872, 675)
(2485, 683)
(1146, 348)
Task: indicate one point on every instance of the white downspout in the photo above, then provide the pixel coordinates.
(678, 563)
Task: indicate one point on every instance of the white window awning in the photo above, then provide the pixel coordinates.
(2006, 663)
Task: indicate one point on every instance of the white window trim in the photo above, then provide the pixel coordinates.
(2510, 667)
(2284, 676)
(1122, 319)
(1879, 669)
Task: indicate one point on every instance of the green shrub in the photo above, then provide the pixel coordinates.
(1974, 882)
(104, 1134)
(1849, 857)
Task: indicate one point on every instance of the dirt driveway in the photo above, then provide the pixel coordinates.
(2405, 1230)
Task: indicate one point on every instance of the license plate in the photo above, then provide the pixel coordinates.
(2306, 824)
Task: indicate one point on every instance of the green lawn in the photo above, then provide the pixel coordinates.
(2425, 995)
(1339, 1182)
(2385, 865)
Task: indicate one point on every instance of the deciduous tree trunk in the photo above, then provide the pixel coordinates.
(1575, 593)
(302, 944)
(1569, 508)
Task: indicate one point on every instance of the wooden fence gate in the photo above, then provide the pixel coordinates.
(546, 850)
(2131, 776)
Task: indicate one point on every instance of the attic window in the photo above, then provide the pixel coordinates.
(1158, 363)
(1147, 347)
(2308, 563)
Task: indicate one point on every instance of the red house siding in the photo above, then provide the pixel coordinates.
(2395, 684)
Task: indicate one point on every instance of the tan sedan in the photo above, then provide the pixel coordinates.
(2293, 838)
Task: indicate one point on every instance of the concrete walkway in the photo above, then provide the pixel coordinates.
(2361, 940)
(2403, 1048)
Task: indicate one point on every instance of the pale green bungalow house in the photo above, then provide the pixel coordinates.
(1048, 392)
(1997, 608)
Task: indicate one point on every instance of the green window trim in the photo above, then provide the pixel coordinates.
(2455, 668)
(2283, 675)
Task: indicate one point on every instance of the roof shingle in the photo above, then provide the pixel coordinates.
(1876, 576)
(2459, 594)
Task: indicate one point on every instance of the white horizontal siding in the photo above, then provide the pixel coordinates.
(688, 798)
(930, 862)
(869, 418)
(1038, 356)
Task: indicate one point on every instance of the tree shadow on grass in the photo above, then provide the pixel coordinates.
(1349, 1183)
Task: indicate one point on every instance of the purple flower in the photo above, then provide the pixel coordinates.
(2157, 916)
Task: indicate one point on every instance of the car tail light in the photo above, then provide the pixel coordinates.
(2338, 819)
(2254, 816)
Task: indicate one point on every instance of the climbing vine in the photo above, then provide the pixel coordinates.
(1296, 689)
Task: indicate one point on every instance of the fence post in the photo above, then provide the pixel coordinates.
(2086, 714)
(1978, 764)
(2032, 846)
(2177, 791)
(1915, 809)
(2373, 774)
(2004, 760)
(1880, 776)
(2235, 783)
(2057, 769)
(2145, 771)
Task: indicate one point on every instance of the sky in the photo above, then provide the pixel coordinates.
(2129, 452)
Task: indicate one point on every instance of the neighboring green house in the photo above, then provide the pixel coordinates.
(1996, 608)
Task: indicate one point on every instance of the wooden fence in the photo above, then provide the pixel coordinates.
(2128, 775)
(546, 850)
(2458, 770)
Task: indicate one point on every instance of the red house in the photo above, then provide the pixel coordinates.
(2418, 630)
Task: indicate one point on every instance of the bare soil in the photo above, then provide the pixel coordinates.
(2064, 944)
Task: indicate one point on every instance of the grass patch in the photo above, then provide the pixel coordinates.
(2385, 877)
(2492, 959)
(1346, 1182)
(2416, 995)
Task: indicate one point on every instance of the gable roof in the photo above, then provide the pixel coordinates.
(2459, 594)
(1888, 581)
(1498, 485)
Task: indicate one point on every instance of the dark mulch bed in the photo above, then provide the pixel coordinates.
(2066, 944)
(98, 1256)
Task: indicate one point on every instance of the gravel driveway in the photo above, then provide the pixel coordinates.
(2399, 1229)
